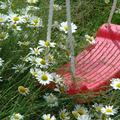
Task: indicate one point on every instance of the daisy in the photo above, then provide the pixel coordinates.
(84, 117)
(80, 112)
(36, 51)
(3, 18)
(115, 83)
(32, 1)
(22, 90)
(44, 78)
(31, 59)
(35, 21)
(1, 62)
(108, 110)
(90, 39)
(20, 68)
(48, 117)
(15, 18)
(3, 36)
(98, 107)
(15, 27)
(51, 100)
(64, 115)
(64, 27)
(41, 62)
(16, 116)
(35, 72)
(46, 43)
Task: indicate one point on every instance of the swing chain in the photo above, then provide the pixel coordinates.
(70, 40)
(112, 11)
(50, 19)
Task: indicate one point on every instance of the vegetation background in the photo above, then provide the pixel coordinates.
(88, 15)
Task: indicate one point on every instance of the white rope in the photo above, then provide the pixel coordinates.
(112, 11)
(50, 19)
(70, 39)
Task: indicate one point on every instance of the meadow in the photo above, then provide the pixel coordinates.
(28, 62)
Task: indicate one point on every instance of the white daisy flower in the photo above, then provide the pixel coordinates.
(44, 78)
(108, 110)
(1, 62)
(51, 100)
(98, 107)
(46, 43)
(36, 51)
(16, 116)
(3, 36)
(48, 117)
(64, 115)
(90, 39)
(57, 7)
(115, 83)
(80, 112)
(84, 117)
(35, 22)
(32, 60)
(20, 68)
(15, 27)
(42, 63)
(32, 1)
(35, 72)
(3, 18)
(15, 18)
(64, 27)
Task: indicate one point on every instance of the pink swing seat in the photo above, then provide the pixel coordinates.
(96, 65)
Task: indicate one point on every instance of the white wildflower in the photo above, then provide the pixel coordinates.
(51, 100)
(64, 27)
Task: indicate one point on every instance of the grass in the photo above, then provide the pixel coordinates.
(88, 15)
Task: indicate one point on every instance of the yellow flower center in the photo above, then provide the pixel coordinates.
(66, 28)
(109, 110)
(36, 50)
(76, 114)
(22, 89)
(2, 36)
(62, 115)
(118, 85)
(35, 73)
(1, 19)
(44, 77)
(48, 119)
(43, 62)
(16, 19)
(81, 112)
(98, 109)
(16, 117)
(35, 21)
(47, 43)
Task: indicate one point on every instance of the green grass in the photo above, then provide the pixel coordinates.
(88, 15)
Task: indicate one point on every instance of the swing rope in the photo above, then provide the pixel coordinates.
(70, 40)
(112, 11)
(50, 19)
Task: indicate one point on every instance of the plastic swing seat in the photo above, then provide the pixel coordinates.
(96, 65)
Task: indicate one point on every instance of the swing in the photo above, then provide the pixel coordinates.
(92, 69)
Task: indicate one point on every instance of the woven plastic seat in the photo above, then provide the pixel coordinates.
(96, 65)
